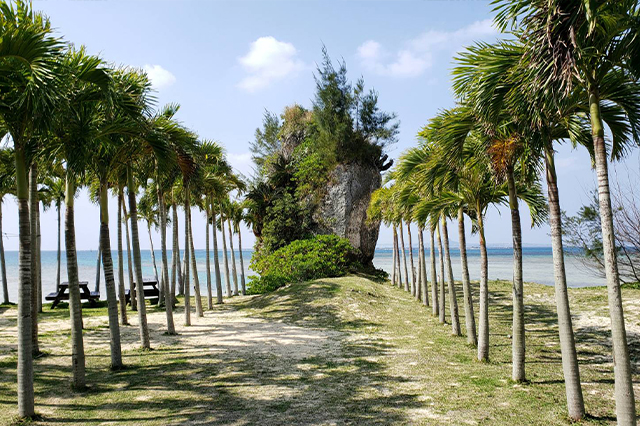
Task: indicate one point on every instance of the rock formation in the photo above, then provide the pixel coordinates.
(343, 209)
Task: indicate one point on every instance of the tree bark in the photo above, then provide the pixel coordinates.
(573, 388)
(121, 291)
(453, 299)
(423, 269)
(483, 337)
(168, 296)
(25, 355)
(185, 280)
(625, 401)
(393, 256)
(3, 265)
(109, 280)
(33, 218)
(176, 248)
(233, 258)
(216, 260)
(132, 283)
(194, 267)
(435, 306)
(404, 258)
(470, 321)
(153, 253)
(75, 306)
(518, 339)
(39, 258)
(242, 280)
(207, 260)
(137, 262)
(414, 289)
(442, 290)
(96, 287)
(224, 251)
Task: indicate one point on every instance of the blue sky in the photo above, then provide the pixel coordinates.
(226, 62)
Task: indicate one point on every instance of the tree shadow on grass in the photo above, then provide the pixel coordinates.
(295, 368)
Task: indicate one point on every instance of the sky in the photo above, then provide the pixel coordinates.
(227, 62)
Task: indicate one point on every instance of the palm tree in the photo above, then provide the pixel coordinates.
(126, 218)
(121, 291)
(589, 52)
(237, 217)
(233, 256)
(149, 211)
(224, 250)
(76, 128)
(7, 186)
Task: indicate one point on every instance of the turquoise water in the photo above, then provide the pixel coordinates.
(538, 267)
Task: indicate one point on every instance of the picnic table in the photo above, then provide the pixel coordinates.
(63, 294)
(151, 291)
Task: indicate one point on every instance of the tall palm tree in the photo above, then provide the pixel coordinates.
(7, 186)
(149, 211)
(237, 217)
(589, 52)
(233, 256)
(29, 55)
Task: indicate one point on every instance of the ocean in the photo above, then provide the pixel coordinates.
(537, 264)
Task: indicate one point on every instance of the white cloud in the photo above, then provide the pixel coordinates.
(267, 61)
(417, 54)
(241, 162)
(160, 77)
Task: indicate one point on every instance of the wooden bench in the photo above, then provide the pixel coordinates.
(151, 291)
(63, 294)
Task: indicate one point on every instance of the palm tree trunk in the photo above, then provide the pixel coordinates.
(393, 256)
(185, 264)
(96, 288)
(176, 248)
(233, 259)
(59, 254)
(121, 292)
(137, 261)
(75, 306)
(3, 265)
(442, 290)
(168, 296)
(39, 258)
(194, 267)
(470, 321)
(434, 277)
(132, 283)
(153, 252)
(185, 280)
(575, 402)
(423, 268)
(25, 355)
(414, 289)
(404, 257)
(216, 260)
(453, 298)
(483, 337)
(625, 403)
(224, 251)
(242, 280)
(33, 217)
(207, 260)
(109, 280)
(518, 342)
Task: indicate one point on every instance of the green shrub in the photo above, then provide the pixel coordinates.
(318, 257)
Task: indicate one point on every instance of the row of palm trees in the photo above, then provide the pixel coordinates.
(75, 120)
(566, 72)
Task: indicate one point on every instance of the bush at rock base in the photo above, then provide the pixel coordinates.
(318, 257)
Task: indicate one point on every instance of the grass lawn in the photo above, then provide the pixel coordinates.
(334, 351)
